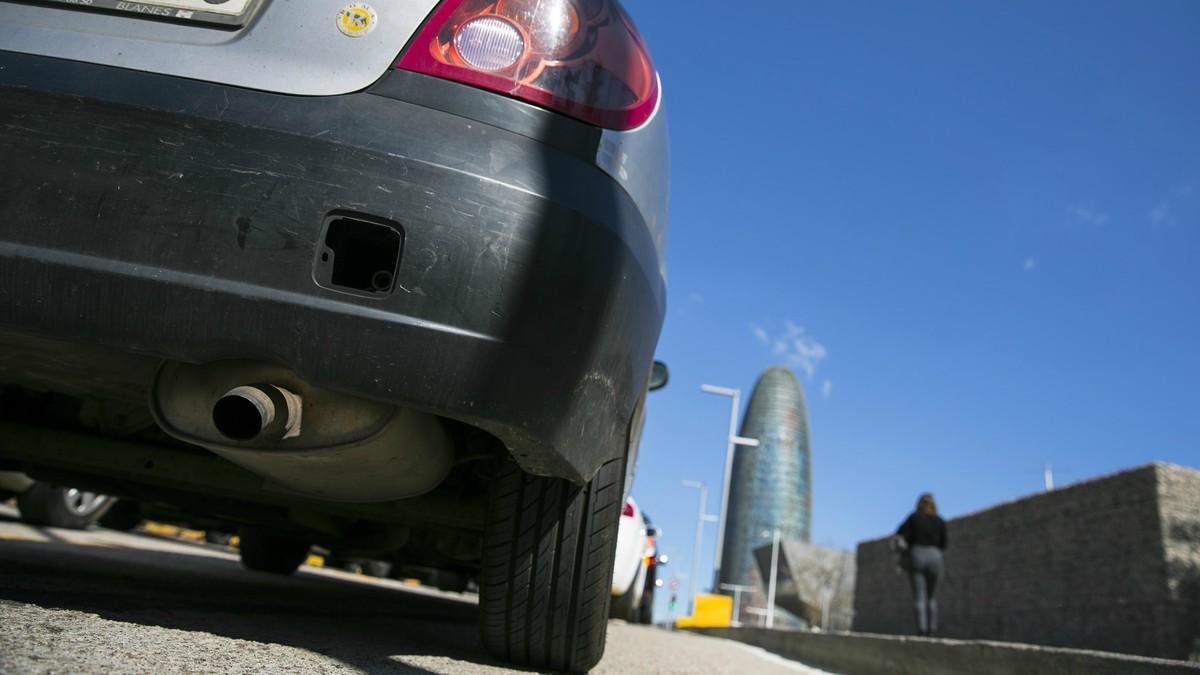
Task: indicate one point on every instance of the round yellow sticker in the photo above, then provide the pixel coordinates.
(356, 19)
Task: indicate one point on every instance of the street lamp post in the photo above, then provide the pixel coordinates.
(737, 601)
(701, 518)
(732, 441)
(757, 611)
(774, 576)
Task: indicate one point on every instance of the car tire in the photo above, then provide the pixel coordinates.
(54, 506)
(547, 567)
(266, 551)
(380, 569)
(450, 581)
(623, 606)
(645, 613)
(122, 516)
(646, 608)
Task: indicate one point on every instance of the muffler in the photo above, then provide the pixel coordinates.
(304, 439)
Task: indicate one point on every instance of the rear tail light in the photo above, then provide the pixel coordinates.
(627, 512)
(582, 58)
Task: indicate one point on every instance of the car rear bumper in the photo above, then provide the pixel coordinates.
(182, 220)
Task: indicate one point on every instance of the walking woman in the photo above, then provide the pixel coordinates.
(925, 534)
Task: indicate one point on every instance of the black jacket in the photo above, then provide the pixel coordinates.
(921, 529)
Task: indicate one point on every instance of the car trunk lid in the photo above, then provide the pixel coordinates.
(301, 47)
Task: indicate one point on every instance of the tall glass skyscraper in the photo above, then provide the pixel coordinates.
(771, 485)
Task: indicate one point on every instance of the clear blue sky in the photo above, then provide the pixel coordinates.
(972, 228)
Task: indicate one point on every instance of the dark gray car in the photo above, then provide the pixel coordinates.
(387, 279)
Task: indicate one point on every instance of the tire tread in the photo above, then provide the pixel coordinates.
(544, 590)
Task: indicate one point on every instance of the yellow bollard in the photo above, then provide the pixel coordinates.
(711, 611)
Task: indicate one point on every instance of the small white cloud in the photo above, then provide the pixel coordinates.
(1162, 215)
(826, 389)
(794, 346)
(691, 301)
(1030, 263)
(1088, 215)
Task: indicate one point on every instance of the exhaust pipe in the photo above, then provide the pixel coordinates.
(264, 412)
(352, 449)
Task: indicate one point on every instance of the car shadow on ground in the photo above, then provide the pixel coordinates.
(365, 624)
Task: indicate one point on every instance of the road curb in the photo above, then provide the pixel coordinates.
(867, 654)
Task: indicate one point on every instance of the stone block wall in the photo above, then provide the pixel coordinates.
(1179, 513)
(1108, 564)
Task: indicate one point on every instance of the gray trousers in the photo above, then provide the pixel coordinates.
(926, 570)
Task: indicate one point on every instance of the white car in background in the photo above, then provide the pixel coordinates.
(634, 572)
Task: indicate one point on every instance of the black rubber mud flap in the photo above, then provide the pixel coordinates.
(548, 566)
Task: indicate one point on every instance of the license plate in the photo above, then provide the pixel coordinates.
(226, 13)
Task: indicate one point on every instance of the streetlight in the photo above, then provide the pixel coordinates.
(701, 518)
(733, 440)
(757, 611)
(774, 575)
(737, 600)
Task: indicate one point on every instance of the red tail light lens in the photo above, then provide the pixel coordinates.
(582, 58)
(628, 510)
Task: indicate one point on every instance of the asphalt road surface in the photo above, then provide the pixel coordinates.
(101, 601)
